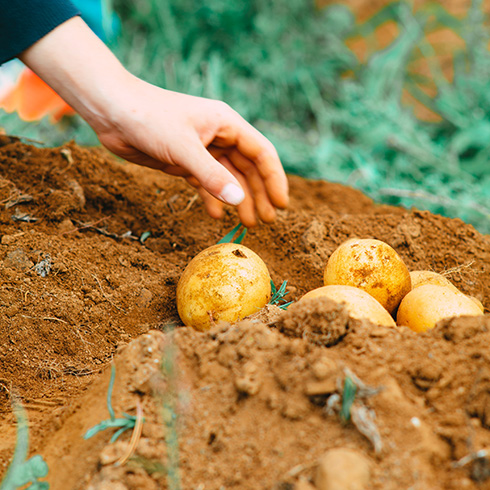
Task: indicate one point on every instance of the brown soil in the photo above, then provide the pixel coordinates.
(252, 405)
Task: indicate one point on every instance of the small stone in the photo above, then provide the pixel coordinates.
(343, 469)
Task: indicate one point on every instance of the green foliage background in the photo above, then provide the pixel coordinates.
(282, 65)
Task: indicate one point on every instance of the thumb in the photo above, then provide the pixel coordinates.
(211, 174)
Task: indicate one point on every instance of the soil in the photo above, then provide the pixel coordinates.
(253, 405)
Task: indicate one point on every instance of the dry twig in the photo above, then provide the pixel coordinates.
(135, 436)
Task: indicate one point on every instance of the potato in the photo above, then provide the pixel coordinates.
(419, 278)
(429, 277)
(225, 282)
(358, 303)
(425, 305)
(371, 265)
(477, 303)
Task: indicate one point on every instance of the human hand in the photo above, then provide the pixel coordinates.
(204, 141)
(201, 140)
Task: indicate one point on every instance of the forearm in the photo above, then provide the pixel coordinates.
(81, 69)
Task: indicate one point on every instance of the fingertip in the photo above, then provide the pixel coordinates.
(232, 194)
(268, 215)
(214, 208)
(282, 202)
(280, 196)
(249, 221)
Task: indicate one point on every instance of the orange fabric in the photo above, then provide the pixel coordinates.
(33, 99)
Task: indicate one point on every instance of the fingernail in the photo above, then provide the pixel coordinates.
(232, 194)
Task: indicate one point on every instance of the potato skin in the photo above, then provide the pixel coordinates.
(419, 278)
(358, 303)
(477, 303)
(225, 282)
(371, 265)
(425, 305)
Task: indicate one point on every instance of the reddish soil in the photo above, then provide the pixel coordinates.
(250, 405)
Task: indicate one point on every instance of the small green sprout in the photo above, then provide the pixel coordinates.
(228, 238)
(22, 471)
(125, 423)
(144, 236)
(278, 295)
(348, 396)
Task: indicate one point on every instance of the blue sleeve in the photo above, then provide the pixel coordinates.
(23, 22)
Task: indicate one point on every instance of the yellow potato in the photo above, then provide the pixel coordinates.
(425, 305)
(358, 303)
(429, 277)
(225, 282)
(371, 265)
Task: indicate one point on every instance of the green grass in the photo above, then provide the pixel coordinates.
(282, 65)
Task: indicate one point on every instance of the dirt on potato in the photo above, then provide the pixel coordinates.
(91, 250)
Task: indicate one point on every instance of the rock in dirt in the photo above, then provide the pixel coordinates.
(343, 469)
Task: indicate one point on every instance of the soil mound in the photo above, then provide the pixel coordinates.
(91, 250)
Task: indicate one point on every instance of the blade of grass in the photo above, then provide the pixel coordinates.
(348, 396)
(228, 238)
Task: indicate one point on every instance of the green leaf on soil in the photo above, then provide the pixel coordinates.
(22, 471)
(228, 238)
(348, 396)
(144, 236)
(278, 295)
(123, 424)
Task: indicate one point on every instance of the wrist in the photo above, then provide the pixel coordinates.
(89, 79)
